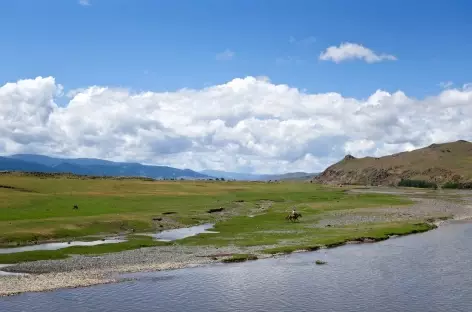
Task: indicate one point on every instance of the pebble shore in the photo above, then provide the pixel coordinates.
(79, 271)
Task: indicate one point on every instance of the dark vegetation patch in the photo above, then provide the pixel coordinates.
(432, 220)
(458, 185)
(16, 188)
(215, 210)
(240, 258)
(417, 183)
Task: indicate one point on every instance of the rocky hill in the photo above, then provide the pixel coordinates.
(438, 163)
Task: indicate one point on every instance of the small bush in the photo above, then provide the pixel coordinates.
(240, 258)
(457, 185)
(320, 262)
(417, 183)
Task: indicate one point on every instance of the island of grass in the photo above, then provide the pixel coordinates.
(36, 209)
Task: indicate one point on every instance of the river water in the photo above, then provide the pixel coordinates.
(424, 272)
(59, 245)
(175, 234)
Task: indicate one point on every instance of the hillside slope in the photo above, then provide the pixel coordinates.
(8, 164)
(438, 163)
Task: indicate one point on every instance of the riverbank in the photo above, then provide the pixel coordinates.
(79, 271)
(423, 273)
(82, 271)
(86, 270)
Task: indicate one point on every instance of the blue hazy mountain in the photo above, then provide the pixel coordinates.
(10, 164)
(258, 177)
(92, 166)
(100, 167)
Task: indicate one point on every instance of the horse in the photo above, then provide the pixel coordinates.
(293, 216)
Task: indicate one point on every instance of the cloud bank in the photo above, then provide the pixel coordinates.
(350, 51)
(247, 125)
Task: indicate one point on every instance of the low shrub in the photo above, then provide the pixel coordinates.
(458, 185)
(417, 183)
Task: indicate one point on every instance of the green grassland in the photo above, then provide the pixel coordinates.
(34, 209)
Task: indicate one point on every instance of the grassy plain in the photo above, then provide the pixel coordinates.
(34, 209)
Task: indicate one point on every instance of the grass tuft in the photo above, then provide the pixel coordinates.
(240, 258)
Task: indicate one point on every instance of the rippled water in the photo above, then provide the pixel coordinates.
(171, 235)
(56, 246)
(424, 272)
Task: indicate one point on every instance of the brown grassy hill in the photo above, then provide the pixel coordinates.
(440, 163)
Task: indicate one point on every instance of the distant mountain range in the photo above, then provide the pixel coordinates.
(100, 167)
(259, 177)
(91, 166)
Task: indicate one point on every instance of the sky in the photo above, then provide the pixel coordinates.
(255, 86)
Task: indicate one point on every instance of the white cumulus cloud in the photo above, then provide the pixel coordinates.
(350, 51)
(247, 124)
(84, 2)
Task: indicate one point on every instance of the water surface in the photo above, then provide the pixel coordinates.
(56, 246)
(174, 234)
(423, 273)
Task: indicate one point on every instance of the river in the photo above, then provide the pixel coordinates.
(424, 272)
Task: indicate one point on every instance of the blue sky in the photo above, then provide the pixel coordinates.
(168, 45)
(325, 60)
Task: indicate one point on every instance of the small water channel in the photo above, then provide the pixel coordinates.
(165, 236)
(175, 234)
(60, 245)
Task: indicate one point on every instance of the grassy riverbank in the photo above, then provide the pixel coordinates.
(132, 243)
(36, 209)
